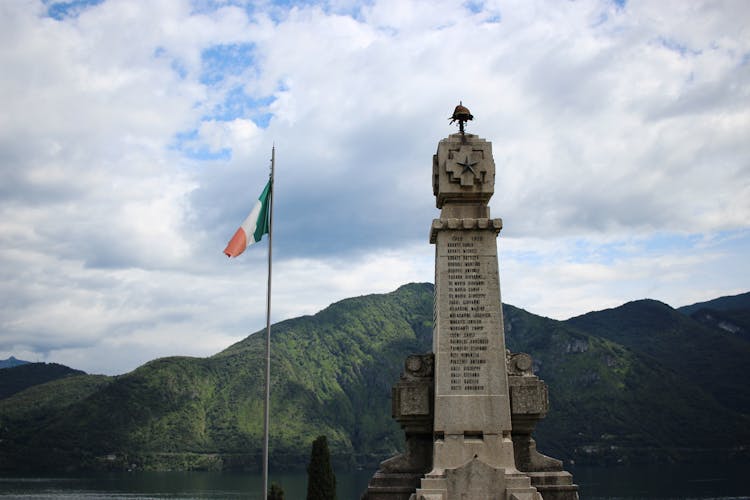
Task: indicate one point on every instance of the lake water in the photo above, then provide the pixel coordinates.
(596, 483)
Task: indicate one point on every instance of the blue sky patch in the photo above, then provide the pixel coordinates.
(73, 8)
(237, 104)
(674, 45)
(670, 242)
(179, 68)
(188, 144)
(175, 64)
(203, 153)
(220, 61)
(474, 6)
(601, 19)
(208, 6)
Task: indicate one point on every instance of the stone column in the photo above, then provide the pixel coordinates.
(472, 446)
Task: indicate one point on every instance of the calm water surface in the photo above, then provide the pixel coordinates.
(596, 483)
(172, 485)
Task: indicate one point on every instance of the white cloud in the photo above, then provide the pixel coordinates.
(128, 156)
(567, 277)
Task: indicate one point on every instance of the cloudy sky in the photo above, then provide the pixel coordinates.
(135, 137)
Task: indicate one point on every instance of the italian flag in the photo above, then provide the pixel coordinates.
(254, 227)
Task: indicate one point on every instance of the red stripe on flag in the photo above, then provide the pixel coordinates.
(237, 244)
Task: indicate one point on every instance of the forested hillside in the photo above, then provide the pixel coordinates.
(18, 377)
(624, 387)
(728, 314)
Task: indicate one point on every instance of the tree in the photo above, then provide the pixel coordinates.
(321, 481)
(275, 492)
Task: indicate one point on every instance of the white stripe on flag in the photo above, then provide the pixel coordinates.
(251, 223)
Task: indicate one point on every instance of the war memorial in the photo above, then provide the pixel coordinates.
(469, 407)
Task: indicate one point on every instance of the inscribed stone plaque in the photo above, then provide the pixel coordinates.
(471, 380)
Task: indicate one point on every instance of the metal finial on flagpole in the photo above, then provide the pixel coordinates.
(268, 333)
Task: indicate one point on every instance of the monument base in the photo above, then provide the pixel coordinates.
(557, 485)
(476, 481)
(392, 485)
(409, 474)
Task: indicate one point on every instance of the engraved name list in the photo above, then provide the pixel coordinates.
(468, 311)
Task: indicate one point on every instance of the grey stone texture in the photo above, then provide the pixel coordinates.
(399, 477)
(472, 424)
(412, 407)
(468, 409)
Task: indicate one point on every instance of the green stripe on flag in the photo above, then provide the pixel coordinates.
(261, 226)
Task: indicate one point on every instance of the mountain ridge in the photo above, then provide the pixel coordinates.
(702, 355)
(21, 376)
(11, 362)
(730, 314)
(723, 303)
(332, 373)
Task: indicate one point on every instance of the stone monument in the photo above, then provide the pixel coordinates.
(469, 407)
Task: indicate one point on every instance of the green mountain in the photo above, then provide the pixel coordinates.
(332, 374)
(39, 402)
(25, 375)
(613, 404)
(11, 362)
(728, 303)
(729, 314)
(704, 358)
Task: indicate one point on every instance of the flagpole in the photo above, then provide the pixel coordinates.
(268, 333)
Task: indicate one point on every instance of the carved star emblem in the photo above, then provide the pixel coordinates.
(468, 166)
(469, 171)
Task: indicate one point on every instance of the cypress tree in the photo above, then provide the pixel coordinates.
(275, 492)
(321, 481)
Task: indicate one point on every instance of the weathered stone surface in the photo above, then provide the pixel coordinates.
(468, 410)
(399, 477)
(476, 480)
(473, 449)
(414, 400)
(556, 485)
(471, 393)
(463, 171)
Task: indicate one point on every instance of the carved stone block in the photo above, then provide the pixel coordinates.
(463, 170)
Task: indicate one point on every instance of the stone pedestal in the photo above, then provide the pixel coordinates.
(470, 439)
(473, 447)
(399, 477)
(412, 407)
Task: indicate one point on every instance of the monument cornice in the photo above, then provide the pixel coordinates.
(494, 225)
